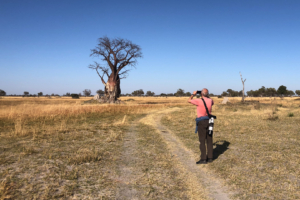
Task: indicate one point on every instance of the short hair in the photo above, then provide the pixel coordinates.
(204, 92)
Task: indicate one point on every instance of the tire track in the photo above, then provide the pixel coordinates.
(198, 175)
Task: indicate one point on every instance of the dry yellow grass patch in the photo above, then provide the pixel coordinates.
(23, 116)
(256, 145)
(62, 148)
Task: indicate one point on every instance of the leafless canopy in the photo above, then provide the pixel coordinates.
(116, 54)
(243, 81)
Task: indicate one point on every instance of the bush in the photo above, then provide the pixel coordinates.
(75, 96)
(291, 114)
(129, 100)
(2, 93)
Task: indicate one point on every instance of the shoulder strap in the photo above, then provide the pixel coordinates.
(205, 107)
(209, 115)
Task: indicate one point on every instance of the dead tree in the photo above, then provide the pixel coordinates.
(243, 82)
(117, 55)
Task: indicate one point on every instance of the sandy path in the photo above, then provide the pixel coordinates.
(129, 173)
(198, 175)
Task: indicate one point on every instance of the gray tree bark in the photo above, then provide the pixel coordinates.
(243, 82)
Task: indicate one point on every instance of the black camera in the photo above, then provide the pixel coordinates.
(199, 92)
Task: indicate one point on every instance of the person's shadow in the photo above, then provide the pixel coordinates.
(221, 147)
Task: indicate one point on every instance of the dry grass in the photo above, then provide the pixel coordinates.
(62, 148)
(256, 146)
(31, 116)
(160, 180)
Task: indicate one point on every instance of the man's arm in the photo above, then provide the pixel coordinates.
(191, 97)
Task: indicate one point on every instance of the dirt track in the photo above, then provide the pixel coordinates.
(198, 177)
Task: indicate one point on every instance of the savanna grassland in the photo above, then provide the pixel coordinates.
(63, 148)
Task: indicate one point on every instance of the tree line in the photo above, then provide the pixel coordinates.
(261, 92)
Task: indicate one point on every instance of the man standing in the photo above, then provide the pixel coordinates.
(203, 135)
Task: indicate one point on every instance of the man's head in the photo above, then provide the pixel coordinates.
(204, 92)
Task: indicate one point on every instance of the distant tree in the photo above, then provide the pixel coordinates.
(163, 94)
(86, 92)
(224, 94)
(170, 94)
(100, 92)
(188, 94)
(270, 92)
(149, 93)
(2, 93)
(139, 92)
(53, 94)
(262, 91)
(298, 92)
(232, 93)
(243, 91)
(68, 94)
(282, 90)
(117, 54)
(179, 93)
(26, 93)
(290, 93)
(40, 94)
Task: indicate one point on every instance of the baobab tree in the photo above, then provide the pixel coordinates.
(117, 56)
(243, 82)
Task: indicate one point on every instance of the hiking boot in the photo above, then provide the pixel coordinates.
(201, 162)
(210, 160)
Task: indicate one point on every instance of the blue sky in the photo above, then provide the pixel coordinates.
(45, 44)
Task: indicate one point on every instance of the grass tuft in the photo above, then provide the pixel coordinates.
(6, 189)
(85, 156)
(272, 117)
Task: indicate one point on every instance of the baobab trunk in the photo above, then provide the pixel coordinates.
(112, 89)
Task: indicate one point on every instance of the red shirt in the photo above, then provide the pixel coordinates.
(201, 111)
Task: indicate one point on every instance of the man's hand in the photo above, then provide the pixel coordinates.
(191, 97)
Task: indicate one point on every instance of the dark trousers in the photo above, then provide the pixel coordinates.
(205, 138)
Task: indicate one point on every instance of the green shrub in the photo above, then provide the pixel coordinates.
(75, 96)
(291, 114)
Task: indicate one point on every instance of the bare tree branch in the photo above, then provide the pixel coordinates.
(105, 70)
(124, 74)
